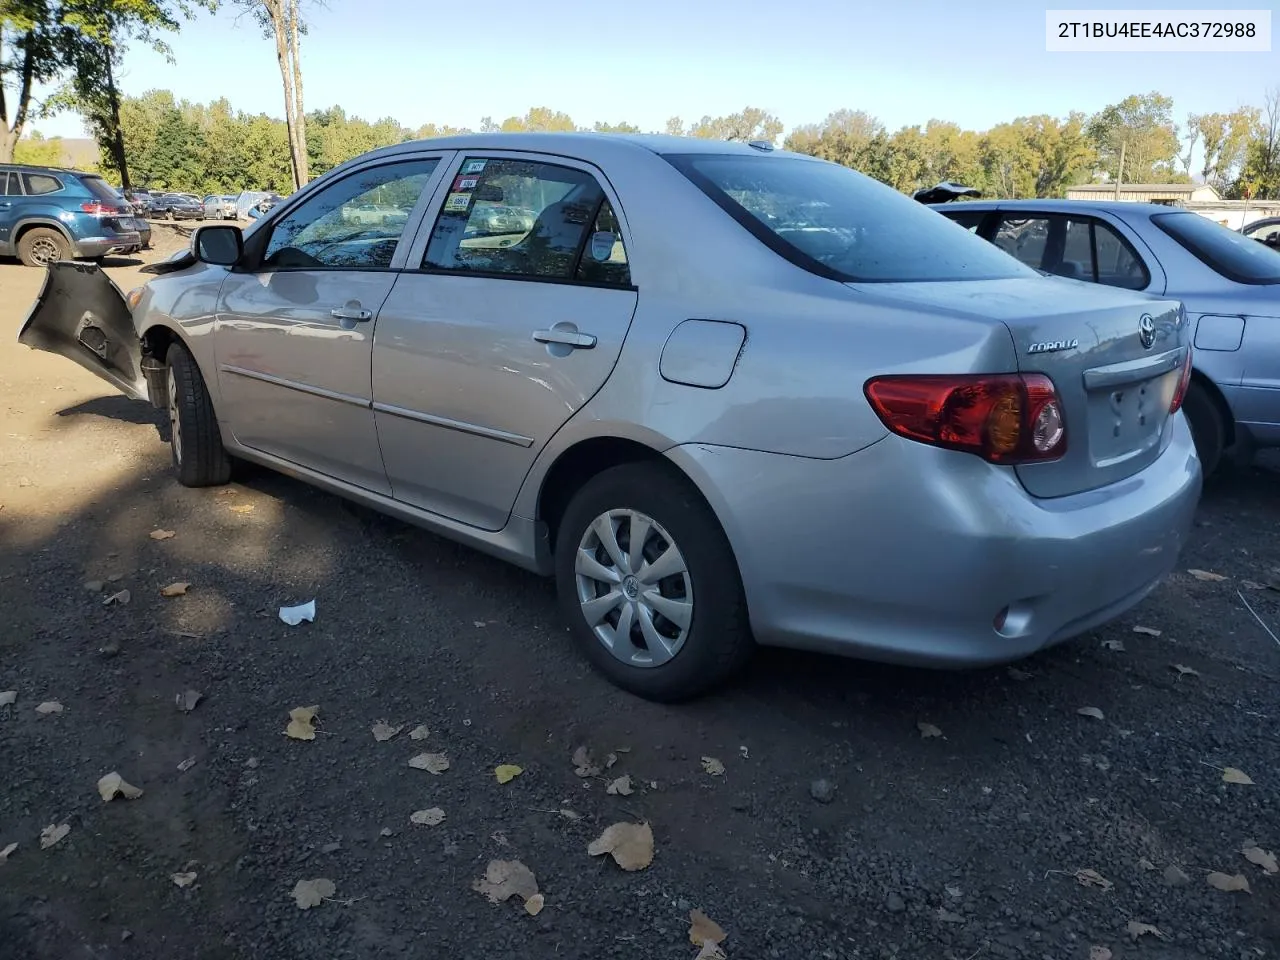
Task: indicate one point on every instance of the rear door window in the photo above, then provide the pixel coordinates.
(1024, 237)
(1117, 263)
(1226, 252)
(969, 219)
(37, 184)
(4, 184)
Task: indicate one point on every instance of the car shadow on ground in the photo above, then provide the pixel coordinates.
(129, 261)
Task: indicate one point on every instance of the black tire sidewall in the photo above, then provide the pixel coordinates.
(719, 639)
(1207, 428)
(204, 462)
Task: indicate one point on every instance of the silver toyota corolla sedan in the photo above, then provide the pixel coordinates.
(1229, 283)
(724, 394)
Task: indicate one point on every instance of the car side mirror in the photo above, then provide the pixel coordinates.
(221, 245)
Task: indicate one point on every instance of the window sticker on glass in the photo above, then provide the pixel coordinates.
(457, 202)
(473, 166)
(465, 183)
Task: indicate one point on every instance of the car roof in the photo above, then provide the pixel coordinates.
(1120, 208)
(26, 167)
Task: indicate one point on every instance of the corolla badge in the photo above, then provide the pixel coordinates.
(1052, 346)
(1147, 330)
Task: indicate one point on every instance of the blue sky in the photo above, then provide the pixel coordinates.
(903, 62)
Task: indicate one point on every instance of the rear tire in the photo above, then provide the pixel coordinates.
(1207, 427)
(691, 658)
(42, 246)
(195, 442)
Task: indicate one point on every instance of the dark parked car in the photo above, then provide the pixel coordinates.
(53, 213)
(178, 206)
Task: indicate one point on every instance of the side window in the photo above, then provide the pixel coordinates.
(604, 259)
(4, 184)
(969, 219)
(1024, 238)
(1118, 264)
(1077, 252)
(40, 183)
(352, 224)
(520, 218)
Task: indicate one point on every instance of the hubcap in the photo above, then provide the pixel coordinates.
(175, 423)
(44, 251)
(634, 588)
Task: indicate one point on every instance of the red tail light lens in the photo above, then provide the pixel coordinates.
(1003, 418)
(97, 209)
(1184, 381)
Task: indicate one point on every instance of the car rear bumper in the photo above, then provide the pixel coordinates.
(87, 248)
(906, 553)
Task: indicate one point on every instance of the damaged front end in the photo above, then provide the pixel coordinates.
(81, 314)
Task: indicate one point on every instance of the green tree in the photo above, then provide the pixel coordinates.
(853, 138)
(281, 21)
(36, 150)
(750, 123)
(674, 127)
(538, 118)
(1226, 138)
(624, 127)
(32, 52)
(1142, 128)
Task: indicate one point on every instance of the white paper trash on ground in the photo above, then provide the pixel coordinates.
(295, 615)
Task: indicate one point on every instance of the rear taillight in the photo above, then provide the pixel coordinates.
(1184, 380)
(1003, 418)
(97, 209)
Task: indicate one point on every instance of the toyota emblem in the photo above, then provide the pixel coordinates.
(1147, 330)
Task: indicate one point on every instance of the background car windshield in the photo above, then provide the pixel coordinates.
(844, 225)
(1225, 251)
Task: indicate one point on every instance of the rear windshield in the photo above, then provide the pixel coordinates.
(843, 225)
(99, 188)
(1226, 252)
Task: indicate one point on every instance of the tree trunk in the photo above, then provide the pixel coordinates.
(10, 134)
(115, 135)
(299, 115)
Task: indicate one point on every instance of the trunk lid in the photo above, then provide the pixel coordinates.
(81, 314)
(1115, 358)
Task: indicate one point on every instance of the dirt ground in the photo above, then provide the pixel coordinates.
(962, 845)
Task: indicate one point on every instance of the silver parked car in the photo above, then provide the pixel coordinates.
(219, 207)
(724, 394)
(1229, 283)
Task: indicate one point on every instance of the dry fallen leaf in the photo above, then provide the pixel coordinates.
(570, 815)
(436, 763)
(302, 723)
(1091, 878)
(427, 818)
(419, 732)
(610, 760)
(631, 845)
(1184, 671)
(1228, 883)
(186, 764)
(533, 906)
(1206, 576)
(51, 834)
(49, 706)
(1136, 930)
(174, 589)
(4, 854)
(1232, 775)
(506, 878)
(383, 731)
(187, 700)
(121, 597)
(507, 772)
(162, 534)
(711, 951)
(1090, 712)
(928, 730)
(1099, 953)
(183, 879)
(1150, 632)
(310, 893)
(620, 787)
(113, 785)
(242, 508)
(1116, 645)
(584, 765)
(1262, 858)
(713, 766)
(704, 930)
(1145, 864)
(8, 697)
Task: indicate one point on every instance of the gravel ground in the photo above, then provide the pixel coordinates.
(961, 845)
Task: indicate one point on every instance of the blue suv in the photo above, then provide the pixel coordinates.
(49, 214)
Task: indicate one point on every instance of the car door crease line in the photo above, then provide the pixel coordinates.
(295, 385)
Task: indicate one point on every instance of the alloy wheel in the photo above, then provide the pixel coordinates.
(634, 588)
(44, 251)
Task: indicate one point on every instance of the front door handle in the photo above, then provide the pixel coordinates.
(350, 311)
(567, 335)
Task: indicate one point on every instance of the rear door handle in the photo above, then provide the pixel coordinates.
(350, 311)
(567, 337)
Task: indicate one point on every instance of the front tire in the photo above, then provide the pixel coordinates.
(649, 585)
(42, 246)
(195, 443)
(1207, 427)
